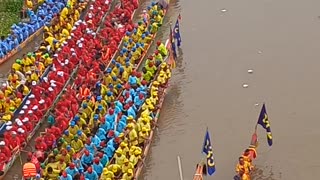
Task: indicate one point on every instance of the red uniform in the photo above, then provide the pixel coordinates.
(13, 142)
(49, 139)
(5, 150)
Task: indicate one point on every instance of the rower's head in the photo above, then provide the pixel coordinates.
(241, 160)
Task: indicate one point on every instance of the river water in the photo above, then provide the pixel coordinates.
(280, 41)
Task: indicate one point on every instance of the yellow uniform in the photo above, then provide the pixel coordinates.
(77, 145)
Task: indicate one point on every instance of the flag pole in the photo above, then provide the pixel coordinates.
(180, 167)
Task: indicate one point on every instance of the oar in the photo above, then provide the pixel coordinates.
(180, 167)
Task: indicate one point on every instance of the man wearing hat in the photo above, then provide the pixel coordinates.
(49, 138)
(14, 141)
(40, 145)
(4, 149)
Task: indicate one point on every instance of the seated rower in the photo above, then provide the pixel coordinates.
(243, 166)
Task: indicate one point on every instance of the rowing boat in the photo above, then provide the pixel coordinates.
(147, 146)
(200, 171)
(23, 44)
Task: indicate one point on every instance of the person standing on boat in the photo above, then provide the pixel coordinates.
(243, 166)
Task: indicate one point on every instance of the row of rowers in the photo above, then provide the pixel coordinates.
(26, 71)
(100, 146)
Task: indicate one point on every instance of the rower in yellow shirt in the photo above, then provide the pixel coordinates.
(34, 76)
(64, 12)
(128, 175)
(106, 174)
(76, 144)
(119, 157)
(133, 136)
(17, 65)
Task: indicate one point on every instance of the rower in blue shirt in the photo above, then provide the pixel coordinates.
(86, 159)
(97, 166)
(101, 133)
(90, 147)
(91, 174)
(103, 158)
(131, 112)
(139, 100)
(133, 81)
(110, 117)
(105, 125)
(72, 170)
(95, 140)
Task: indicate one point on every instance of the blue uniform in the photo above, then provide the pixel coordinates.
(110, 118)
(131, 112)
(106, 126)
(109, 151)
(121, 126)
(98, 168)
(132, 80)
(69, 177)
(86, 160)
(101, 133)
(104, 160)
(91, 176)
(90, 147)
(95, 140)
(119, 105)
(138, 102)
(72, 172)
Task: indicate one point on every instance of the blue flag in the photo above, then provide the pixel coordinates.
(264, 122)
(207, 149)
(177, 35)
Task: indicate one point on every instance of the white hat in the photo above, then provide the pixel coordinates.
(74, 28)
(80, 45)
(55, 55)
(22, 131)
(34, 83)
(66, 61)
(35, 107)
(25, 120)
(93, 33)
(50, 89)
(99, 8)
(30, 112)
(91, 8)
(28, 72)
(144, 11)
(21, 112)
(62, 64)
(69, 37)
(72, 49)
(27, 102)
(19, 129)
(41, 101)
(32, 96)
(54, 68)
(19, 123)
(25, 107)
(17, 120)
(4, 84)
(73, 54)
(9, 123)
(59, 49)
(81, 39)
(8, 128)
(13, 132)
(52, 81)
(71, 34)
(53, 85)
(2, 143)
(45, 79)
(65, 42)
(76, 23)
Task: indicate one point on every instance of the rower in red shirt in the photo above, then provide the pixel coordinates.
(56, 131)
(36, 112)
(33, 118)
(28, 125)
(42, 106)
(13, 141)
(5, 150)
(21, 135)
(49, 138)
(40, 145)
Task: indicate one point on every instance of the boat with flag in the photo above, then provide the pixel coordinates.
(208, 166)
(245, 166)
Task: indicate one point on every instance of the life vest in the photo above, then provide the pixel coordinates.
(84, 92)
(29, 170)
